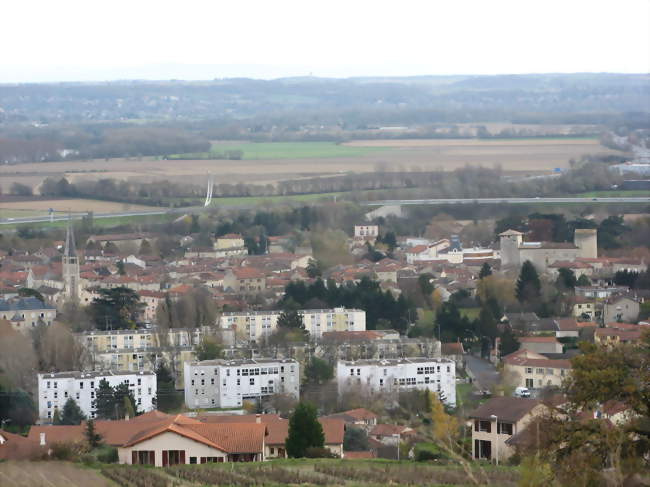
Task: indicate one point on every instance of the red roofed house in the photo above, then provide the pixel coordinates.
(391, 434)
(244, 280)
(181, 440)
(541, 344)
(535, 371)
(616, 336)
(357, 417)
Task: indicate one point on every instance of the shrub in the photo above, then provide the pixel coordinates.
(66, 451)
(107, 454)
(317, 452)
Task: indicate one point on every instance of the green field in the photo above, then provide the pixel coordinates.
(623, 193)
(283, 150)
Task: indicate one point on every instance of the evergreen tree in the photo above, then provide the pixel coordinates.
(314, 269)
(486, 270)
(145, 248)
(529, 287)
(167, 397)
(509, 342)
(318, 371)
(104, 401)
(72, 413)
(209, 349)
(118, 307)
(305, 431)
(123, 401)
(291, 319)
(566, 279)
(583, 280)
(56, 418)
(93, 438)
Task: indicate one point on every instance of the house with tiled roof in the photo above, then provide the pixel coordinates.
(534, 370)
(183, 440)
(498, 420)
(357, 417)
(616, 336)
(391, 434)
(244, 280)
(16, 447)
(540, 344)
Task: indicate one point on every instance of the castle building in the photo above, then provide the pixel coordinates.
(514, 251)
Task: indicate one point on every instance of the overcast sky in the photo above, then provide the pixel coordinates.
(52, 40)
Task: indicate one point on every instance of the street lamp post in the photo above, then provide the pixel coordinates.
(496, 434)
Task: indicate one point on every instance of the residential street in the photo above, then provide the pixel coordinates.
(485, 374)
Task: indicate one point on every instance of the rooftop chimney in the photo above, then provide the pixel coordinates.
(258, 418)
(42, 438)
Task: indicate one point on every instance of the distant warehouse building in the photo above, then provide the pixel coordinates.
(227, 383)
(394, 375)
(56, 388)
(257, 325)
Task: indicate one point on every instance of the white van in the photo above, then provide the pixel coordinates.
(522, 392)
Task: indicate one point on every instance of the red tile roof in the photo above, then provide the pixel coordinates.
(524, 357)
(389, 430)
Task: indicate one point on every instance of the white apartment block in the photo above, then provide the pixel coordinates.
(227, 383)
(257, 325)
(55, 389)
(392, 375)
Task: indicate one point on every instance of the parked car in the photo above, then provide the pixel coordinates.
(522, 392)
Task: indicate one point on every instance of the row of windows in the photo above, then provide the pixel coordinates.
(540, 370)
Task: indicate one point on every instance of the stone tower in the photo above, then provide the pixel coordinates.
(510, 241)
(586, 239)
(72, 286)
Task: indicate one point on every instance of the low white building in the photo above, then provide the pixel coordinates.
(392, 375)
(366, 231)
(227, 383)
(56, 388)
(257, 325)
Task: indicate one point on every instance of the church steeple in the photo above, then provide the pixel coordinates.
(70, 266)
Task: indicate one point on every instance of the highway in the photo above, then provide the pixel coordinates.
(439, 201)
(79, 216)
(506, 201)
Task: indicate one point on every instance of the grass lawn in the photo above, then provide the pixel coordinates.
(257, 200)
(615, 192)
(470, 313)
(283, 150)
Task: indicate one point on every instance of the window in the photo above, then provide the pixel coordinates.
(252, 381)
(540, 371)
(139, 381)
(351, 371)
(504, 428)
(482, 426)
(92, 384)
(48, 384)
(549, 371)
(238, 382)
(81, 385)
(65, 394)
(529, 370)
(173, 457)
(529, 383)
(358, 371)
(56, 395)
(212, 381)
